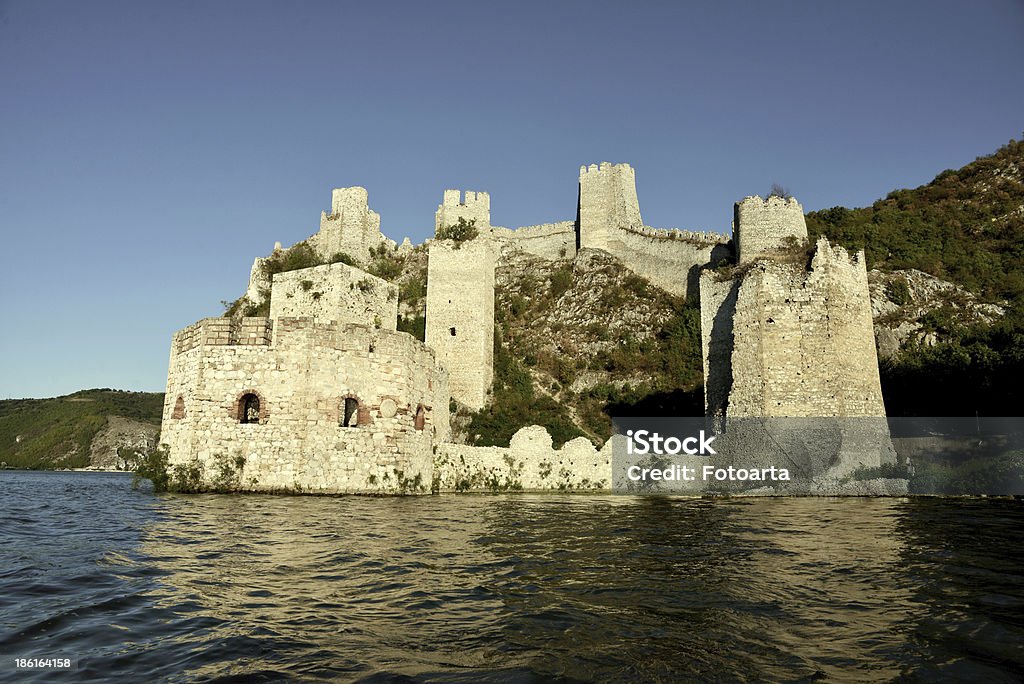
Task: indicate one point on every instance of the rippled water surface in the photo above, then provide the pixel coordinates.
(140, 587)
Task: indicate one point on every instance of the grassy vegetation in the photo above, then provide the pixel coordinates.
(965, 226)
(57, 433)
(517, 404)
(459, 232)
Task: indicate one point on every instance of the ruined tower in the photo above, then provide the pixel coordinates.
(351, 227)
(460, 315)
(763, 227)
(476, 206)
(607, 200)
(784, 336)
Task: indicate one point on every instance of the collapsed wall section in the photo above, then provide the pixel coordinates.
(528, 463)
(803, 340)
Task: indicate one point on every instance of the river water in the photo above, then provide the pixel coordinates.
(504, 588)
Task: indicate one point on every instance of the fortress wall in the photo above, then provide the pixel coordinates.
(335, 292)
(529, 463)
(763, 227)
(549, 240)
(803, 341)
(460, 315)
(302, 380)
(670, 259)
(607, 200)
(472, 206)
(717, 309)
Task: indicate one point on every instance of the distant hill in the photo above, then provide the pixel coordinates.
(76, 430)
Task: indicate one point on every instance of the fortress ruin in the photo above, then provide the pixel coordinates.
(325, 395)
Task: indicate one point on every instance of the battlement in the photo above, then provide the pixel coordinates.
(454, 198)
(221, 332)
(471, 206)
(604, 168)
(764, 226)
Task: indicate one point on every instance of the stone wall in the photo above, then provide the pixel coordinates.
(801, 340)
(302, 378)
(607, 200)
(460, 315)
(529, 463)
(351, 227)
(762, 227)
(549, 240)
(670, 259)
(474, 206)
(335, 292)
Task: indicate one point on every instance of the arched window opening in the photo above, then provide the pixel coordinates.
(421, 417)
(179, 409)
(350, 412)
(452, 331)
(249, 409)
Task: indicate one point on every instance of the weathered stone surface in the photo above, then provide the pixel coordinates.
(529, 463)
(460, 315)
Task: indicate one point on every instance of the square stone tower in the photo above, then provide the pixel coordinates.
(475, 206)
(460, 315)
(607, 200)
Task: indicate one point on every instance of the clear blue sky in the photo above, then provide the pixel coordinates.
(149, 151)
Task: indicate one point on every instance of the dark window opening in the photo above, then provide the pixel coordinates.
(249, 409)
(350, 412)
(421, 418)
(179, 409)
(452, 331)
(771, 320)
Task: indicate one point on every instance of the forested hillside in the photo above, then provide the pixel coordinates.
(966, 226)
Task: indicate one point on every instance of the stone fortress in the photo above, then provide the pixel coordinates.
(324, 395)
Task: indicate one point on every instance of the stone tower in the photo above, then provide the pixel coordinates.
(351, 227)
(763, 227)
(460, 315)
(475, 207)
(607, 200)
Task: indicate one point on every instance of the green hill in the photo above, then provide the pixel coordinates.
(58, 432)
(966, 226)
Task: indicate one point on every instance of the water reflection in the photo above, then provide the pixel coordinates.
(499, 588)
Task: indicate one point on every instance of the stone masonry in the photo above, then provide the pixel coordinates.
(460, 315)
(472, 206)
(323, 395)
(305, 400)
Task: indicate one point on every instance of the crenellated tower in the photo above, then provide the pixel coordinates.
(607, 200)
(472, 206)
